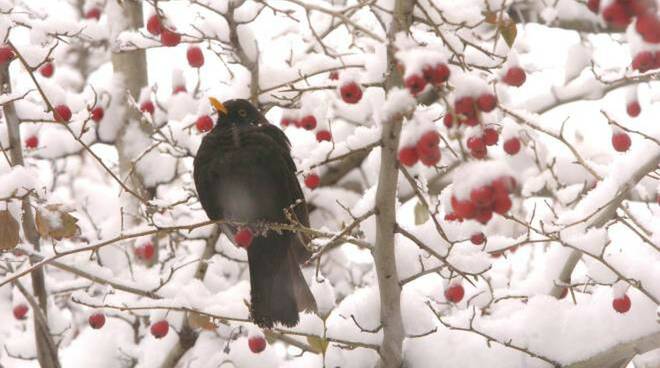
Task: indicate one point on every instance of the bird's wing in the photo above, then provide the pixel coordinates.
(300, 209)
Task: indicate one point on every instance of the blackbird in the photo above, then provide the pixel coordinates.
(244, 172)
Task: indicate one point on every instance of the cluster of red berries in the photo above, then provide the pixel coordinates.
(168, 35)
(431, 74)
(426, 150)
(466, 109)
(483, 201)
(307, 122)
(620, 13)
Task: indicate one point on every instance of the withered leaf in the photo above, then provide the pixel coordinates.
(54, 222)
(509, 32)
(8, 231)
(197, 320)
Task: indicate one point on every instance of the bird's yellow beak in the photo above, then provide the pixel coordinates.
(218, 105)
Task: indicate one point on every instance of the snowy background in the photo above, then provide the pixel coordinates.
(122, 235)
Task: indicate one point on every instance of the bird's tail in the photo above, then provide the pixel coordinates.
(278, 288)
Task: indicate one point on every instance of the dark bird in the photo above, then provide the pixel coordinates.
(244, 172)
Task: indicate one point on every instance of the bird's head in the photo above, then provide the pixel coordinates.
(240, 113)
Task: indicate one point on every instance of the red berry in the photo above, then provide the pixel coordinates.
(621, 142)
(437, 74)
(47, 70)
(503, 185)
(473, 121)
(408, 156)
(147, 106)
(633, 109)
(478, 238)
(427, 142)
(490, 136)
(179, 89)
(476, 144)
(97, 114)
(448, 120)
(431, 156)
(564, 292)
(515, 77)
(243, 237)
(93, 13)
(308, 122)
(464, 209)
(96, 320)
(169, 37)
(621, 305)
(415, 84)
(334, 75)
(644, 61)
(62, 113)
(323, 135)
(195, 56)
(351, 93)
(482, 196)
(486, 102)
(204, 123)
(512, 146)
(153, 25)
(593, 5)
(160, 329)
(479, 153)
(145, 251)
(647, 27)
(451, 217)
(20, 311)
(455, 293)
(312, 181)
(465, 106)
(483, 215)
(6, 54)
(617, 14)
(285, 122)
(32, 142)
(502, 204)
(257, 344)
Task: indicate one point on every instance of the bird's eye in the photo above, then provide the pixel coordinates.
(242, 113)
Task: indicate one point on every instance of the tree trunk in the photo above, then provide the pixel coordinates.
(131, 66)
(386, 194)
(46, 351)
